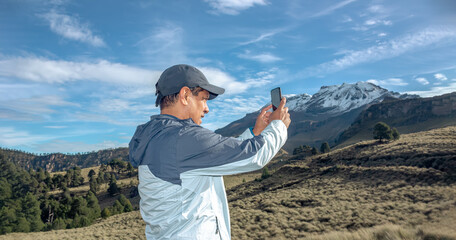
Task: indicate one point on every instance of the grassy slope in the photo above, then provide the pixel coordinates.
(352, 193)
(365, 131)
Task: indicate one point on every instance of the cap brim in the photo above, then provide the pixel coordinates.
(213, 90)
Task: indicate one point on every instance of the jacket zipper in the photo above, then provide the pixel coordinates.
(217, 231)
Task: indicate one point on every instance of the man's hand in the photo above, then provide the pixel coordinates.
(262, 120)
(281, 113)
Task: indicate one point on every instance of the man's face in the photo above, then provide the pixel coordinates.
(198, 106)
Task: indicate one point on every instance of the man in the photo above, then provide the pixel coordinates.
(181, 164)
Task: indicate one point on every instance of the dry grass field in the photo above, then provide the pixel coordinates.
(399, 190)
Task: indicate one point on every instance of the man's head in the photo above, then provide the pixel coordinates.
(186, 88)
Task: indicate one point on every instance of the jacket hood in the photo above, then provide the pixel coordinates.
(144, 133)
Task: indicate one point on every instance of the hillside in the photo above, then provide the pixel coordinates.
(408, 182)
(404, 189)
(407, 115)
(59, 162)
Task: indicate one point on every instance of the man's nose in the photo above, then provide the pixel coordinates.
(206, 109)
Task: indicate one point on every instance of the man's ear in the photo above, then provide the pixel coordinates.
(184, 95)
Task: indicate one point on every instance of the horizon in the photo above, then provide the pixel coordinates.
(75, 78)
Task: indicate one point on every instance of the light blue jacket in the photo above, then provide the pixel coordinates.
(180, 166)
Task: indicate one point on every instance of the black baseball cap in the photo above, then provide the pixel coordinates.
(178, 76)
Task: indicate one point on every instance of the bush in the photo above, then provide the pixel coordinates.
(265, 173)
(395, 134)
(105, 213)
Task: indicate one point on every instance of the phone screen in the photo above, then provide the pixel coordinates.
(276, 96)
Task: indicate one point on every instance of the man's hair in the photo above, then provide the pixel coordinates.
(169, 100)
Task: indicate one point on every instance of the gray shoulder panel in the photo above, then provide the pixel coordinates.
(170, 146)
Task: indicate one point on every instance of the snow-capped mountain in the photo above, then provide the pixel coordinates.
(324, 115)
(337, 99)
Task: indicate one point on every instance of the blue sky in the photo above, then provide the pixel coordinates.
(78, 76)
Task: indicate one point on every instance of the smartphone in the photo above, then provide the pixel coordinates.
(276, 97)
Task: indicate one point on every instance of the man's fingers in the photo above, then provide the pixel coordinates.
(282, 102)
(265, 109)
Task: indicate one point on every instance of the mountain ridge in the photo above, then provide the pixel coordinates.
(332, 109)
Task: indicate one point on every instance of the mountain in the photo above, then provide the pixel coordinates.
(324, 115)
(59, 162)
(407, 115)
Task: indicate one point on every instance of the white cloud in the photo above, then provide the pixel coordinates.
(70, 27)
(263, 57)
(376, 9)
(164, 46)
(372, 22)
(422, 80)
(390, 49)
(389, 82)
(97, 117)
(231, 85)
(233, 7)
(239, 106)
(52, 71)
(223, 79)
(74, 147)
(382, 34)
(20, 90)
(16, 116)
(347, 19)
(12, 137)
(436, 91)
(262, 78)
(36, 105)
(440, 77)
(262, 37)
(332, 8)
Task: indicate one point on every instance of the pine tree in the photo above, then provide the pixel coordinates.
(113, 189)
(92, 204)
(22, 225)
(93, 184)
(32, 212)
(8, 219)
(127, 207)
(91, 173)
(117, 208)
(325, 148)
(382, 131)
(314, 151)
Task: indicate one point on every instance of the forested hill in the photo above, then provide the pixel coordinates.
(59, 162)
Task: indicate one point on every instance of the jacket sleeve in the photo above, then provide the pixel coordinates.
(203, 152)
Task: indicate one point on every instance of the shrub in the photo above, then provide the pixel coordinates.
(265, 173)
(105, 213)
(395, 134)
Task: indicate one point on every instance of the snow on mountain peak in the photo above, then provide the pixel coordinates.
(340, 98)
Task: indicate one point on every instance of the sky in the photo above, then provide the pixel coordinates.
(79, 76)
